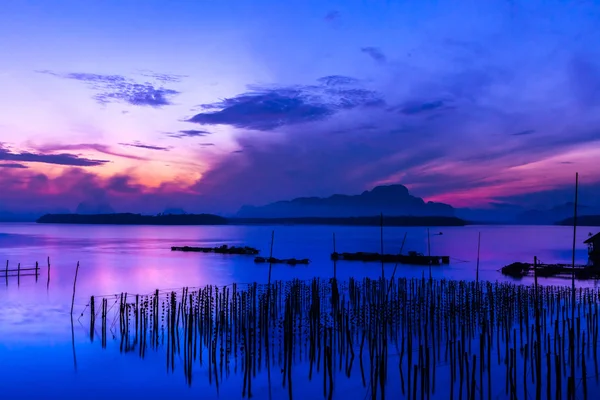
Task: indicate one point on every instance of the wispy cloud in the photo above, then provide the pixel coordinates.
(100, 148)
(12, 165)
(375, 53)
(58, 159)
(417, 108)
(118, 88)
(165, 78)
(332, 15)
(267, 108)
(145, 146)
(523, 133)
(187, 133)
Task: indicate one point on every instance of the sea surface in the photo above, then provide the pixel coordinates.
(43, 356)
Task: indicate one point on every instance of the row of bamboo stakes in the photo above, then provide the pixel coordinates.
(430, 338)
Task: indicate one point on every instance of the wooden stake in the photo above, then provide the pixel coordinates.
(478, 249)
(74, 284)
(381, 240)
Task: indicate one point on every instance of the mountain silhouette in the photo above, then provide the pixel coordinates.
(391, 200)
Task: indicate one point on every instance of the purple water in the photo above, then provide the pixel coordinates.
(36, 347)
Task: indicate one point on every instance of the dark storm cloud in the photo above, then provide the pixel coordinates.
(401, 144)
(145, 146)
(117, 88)
(375, 53)
(266, 109)
(58, 159)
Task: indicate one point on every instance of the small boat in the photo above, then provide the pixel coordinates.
(289, 261)
(521, 269)
(412, 257)
(224, 249)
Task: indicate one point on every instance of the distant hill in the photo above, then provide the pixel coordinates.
(353, 221)
(583, 220)
(392, 200)
(133, 219)
(557, 213)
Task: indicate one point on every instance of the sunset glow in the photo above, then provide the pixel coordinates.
(186, 104)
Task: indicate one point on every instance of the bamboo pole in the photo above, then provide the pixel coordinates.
(74, 285)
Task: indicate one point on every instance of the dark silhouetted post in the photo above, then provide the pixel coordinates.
(478, 250)
(334, 259)
(572, 330)
(48, 283)
(271, 256)
(381, 240)
(538, 348)
(74, 284)
(429, 252)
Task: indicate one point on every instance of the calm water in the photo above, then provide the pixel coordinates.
(37, 340)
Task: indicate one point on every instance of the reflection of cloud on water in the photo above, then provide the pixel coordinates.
(32, 322)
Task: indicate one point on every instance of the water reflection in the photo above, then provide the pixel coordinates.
(34, 315)
(439, 333)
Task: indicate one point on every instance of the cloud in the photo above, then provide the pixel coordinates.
(332, 15)
(58, 159)
(188, 133)
(207, 144)
(145, 146)
(338, 80)
(375, 53)
(12, 165)
(117, 88)
(462, 155)
(585, 80)
(268, 108)
(165, 78)
(522, 133)
(100, 148)
(76, 185)
(417, 108)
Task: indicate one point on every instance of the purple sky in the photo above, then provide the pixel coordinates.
(208, 105)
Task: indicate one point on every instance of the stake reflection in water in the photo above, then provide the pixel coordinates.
(434, 339)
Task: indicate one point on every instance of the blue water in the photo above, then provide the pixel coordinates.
(42, 357)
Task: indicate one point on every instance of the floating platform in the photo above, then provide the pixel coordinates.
(289, 261)
(520, 269)
(412, 257)
(224, 249)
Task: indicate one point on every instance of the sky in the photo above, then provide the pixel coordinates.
(209, 105)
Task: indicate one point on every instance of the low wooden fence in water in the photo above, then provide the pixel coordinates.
(22, 272)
